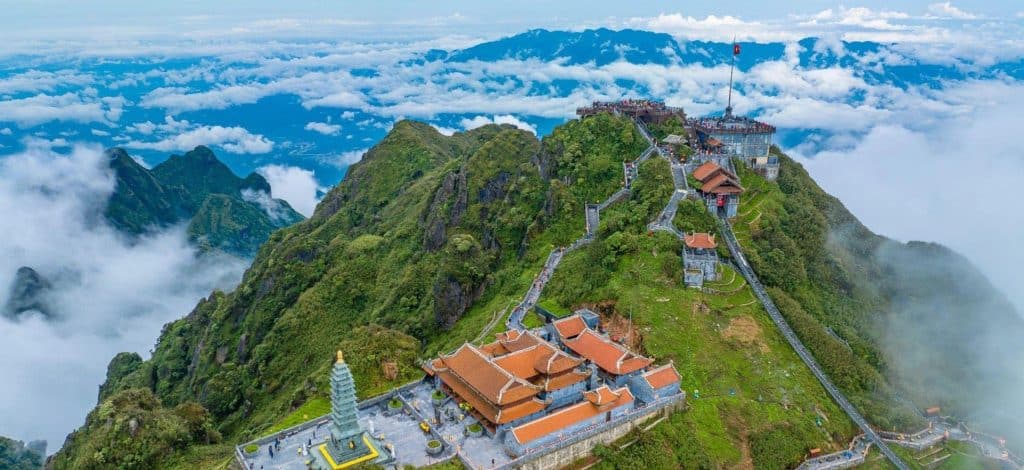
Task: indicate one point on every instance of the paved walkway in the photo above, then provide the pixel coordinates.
(592, 217)
(855, 455)
(666, 219)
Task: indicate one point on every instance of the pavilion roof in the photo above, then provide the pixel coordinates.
(492, 382)
(722, 184)
(700, 240)
(607, 355)
(662, 376)
(705, 170)
(571, 415)
(570, 326)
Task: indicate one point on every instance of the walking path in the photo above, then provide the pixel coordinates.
(801, 350)
(592, 216)
(855, 455)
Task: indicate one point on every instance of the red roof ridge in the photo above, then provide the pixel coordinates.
(566, 417)
(700, 240)
(511, 378)
(662, 376)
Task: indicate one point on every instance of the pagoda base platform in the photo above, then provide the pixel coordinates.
(342, 457)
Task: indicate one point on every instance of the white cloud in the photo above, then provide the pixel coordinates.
(323, 128)
(947, 10)
(232, 139)
(99, 132)
(711, 27)
(35, 81)
(347, 158)
(68, 107)
(112, 295)
(296, 185)
(448, 131)
(6, 131)
(919, 178)
(480, 121)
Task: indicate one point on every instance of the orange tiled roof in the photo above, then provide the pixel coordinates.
(492, 382)
(700, 240)
(559, 382)
(521, 410)
(568, 416)
(541, 358)
(464, 392)
(601, 396)
(721, 184)
(609, 356)
(571, 326)
(491, 412)
(705, 170)
(662, 376)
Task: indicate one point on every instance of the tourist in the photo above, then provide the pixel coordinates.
(271, 450)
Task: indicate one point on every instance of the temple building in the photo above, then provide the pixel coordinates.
(720, 189)
(535, 388)
(656, 383)
(615, 364)
(700, 260)
(739, 137)
(599, 406)
(511, 380)
(347, 444)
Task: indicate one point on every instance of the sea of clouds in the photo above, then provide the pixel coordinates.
(913, 161)
(110, 294)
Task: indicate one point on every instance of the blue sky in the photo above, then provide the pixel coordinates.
(120, 20)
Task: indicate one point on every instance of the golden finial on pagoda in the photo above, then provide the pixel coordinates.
(341, 357)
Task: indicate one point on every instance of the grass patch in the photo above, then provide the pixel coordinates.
(313, 408)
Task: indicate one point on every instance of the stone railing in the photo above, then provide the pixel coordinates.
(320, 420)
(591, 431)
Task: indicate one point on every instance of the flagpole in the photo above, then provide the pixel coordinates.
(732, 65)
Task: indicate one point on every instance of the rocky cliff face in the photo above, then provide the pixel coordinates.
(223, 212)
(29, 292)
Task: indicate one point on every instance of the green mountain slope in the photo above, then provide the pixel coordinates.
(898, 326)
(430, 239)
(223, 212)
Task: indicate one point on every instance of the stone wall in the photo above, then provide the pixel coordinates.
(582, 448)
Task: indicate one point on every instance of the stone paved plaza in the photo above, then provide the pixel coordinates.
(398, 435)
(483, 452)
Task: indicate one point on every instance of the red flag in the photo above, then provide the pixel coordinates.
(735, 48)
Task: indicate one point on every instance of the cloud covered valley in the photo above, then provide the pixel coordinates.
(109, 294)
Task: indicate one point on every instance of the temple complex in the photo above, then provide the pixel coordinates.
(510, 380)
(532, 388)
(700, 260)
(720, 188)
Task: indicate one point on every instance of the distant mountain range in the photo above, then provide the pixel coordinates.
(274, 123)
(876, 62)
(223, 212)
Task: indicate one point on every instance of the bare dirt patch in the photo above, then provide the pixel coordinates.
(746, 331)
(739, 427)
(619, 329)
